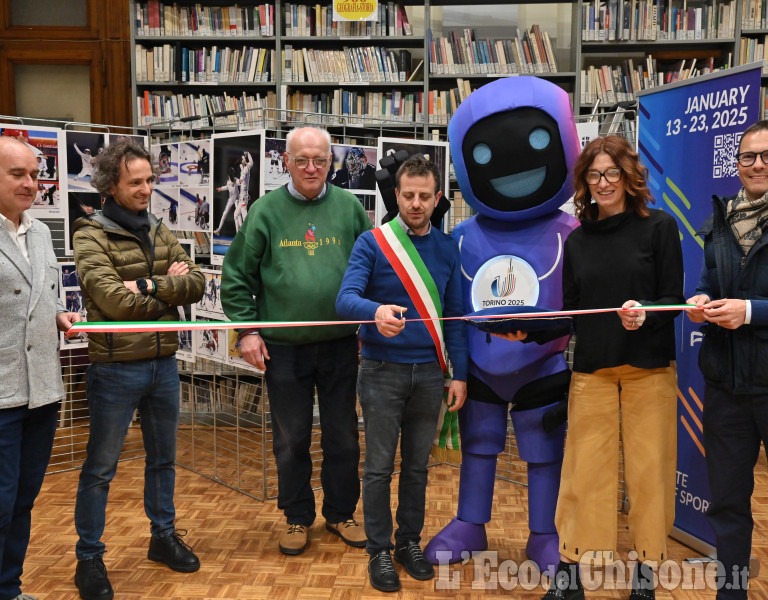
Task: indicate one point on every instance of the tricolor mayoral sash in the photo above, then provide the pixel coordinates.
(411, 270)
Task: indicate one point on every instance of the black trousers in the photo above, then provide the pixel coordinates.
(734, 426)
(293, 373)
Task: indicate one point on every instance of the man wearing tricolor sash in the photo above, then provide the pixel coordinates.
(404, 267)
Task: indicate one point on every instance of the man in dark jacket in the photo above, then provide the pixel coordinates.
(131, 268)
(732, 298)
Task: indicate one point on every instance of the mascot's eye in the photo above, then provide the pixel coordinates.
(482, 154)
(539, 139)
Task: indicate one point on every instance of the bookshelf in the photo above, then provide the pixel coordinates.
(469, 45)
(186, 64)
(629, 45)
(354, 69)
(290, 55)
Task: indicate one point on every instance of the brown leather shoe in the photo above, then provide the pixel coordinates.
(294, 539)
(350, 531)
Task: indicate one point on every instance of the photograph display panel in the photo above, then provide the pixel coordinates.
(209, 305)
(46, 143)
(237, 181)
(80, 161)
(186, 351)
(211, 343)
(354, 167)
(275, 170)
(82, 158)
(436, 151)
(72, 297)
(181, 196)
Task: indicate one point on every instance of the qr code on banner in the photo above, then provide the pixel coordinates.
(724, 159)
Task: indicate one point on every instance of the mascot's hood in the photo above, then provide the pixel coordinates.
(505, 95)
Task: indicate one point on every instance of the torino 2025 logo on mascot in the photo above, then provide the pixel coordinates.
(514, 144)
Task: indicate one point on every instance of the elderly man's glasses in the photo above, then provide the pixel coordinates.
(747, 159)
(303, 163)
(611, 176)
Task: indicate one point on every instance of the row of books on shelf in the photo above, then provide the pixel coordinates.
(407, 107)
(753, 50)
(460, 210)
(754, 14)
(317, 21)
(174, 63)
(199, 110)
(649, 20)
(355, 64)
(443, 103)
(763, 103)
(620, 83)
(155, 18)
(350, 107)
(396, 105)
(461, 53)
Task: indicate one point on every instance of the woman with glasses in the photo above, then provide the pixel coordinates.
(624, 381)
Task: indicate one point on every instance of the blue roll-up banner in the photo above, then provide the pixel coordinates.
(688, 133)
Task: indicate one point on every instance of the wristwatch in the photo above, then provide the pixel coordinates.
(143, 287)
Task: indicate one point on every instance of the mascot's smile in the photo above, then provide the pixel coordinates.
(520, 184)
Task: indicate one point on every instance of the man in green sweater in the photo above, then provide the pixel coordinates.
(286, 264)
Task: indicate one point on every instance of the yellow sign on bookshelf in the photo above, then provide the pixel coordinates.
(355, 10)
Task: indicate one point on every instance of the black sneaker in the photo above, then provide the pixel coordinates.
(173, 552)
(566, 584)
(382, 572)
(642, 583)
(92, 581)
(410, 556)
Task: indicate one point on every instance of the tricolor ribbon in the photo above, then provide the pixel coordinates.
(153, 326)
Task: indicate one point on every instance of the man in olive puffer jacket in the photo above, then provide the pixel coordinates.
(131, 268)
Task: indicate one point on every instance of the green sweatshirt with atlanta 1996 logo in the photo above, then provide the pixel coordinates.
(287, 261)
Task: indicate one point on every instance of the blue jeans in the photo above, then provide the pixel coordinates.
(26, 439)
(114, 391)
(399, 401)
(292, 374)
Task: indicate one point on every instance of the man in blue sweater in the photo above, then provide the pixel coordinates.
(404, 266)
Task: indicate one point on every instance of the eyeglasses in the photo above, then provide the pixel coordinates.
(303, 163)
(611, 176)
(747, 159)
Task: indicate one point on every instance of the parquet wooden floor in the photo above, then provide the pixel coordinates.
(235, 537)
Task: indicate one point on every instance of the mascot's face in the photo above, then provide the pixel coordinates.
(513, 144)
(515, 159)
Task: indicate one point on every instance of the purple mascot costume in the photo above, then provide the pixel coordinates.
(514, 144)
